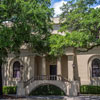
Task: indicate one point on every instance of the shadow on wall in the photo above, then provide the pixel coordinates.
(29, 63)
(8, 79)
(74, 88)
(76, 71)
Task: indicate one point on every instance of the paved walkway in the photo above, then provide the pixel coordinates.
(59, 98)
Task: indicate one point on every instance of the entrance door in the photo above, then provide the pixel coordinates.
(53, 72)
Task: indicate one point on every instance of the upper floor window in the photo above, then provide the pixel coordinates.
(56, 27)
(96, 68)
(16, 69)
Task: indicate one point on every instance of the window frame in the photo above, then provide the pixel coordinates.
(16, 70)
(95, 67)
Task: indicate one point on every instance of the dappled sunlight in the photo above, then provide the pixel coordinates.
(35, 84)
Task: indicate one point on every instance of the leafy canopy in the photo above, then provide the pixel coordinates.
(24, 21)
(81, 24)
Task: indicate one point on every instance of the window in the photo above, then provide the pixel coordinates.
(96, 68)
(16, 69)
(56, 27)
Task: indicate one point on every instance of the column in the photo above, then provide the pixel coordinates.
(70, 68)
(32, 66)
(59, 66)
(59, 69)
(43, 65)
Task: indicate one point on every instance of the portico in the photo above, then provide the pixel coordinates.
(62, 66)
(58, 72)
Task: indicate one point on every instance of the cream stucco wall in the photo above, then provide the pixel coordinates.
(26, 59)
(64, 65)
(33, 66)
(84, 60)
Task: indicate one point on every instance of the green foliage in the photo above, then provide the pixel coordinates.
(78, 39)
(24, 21)
(57, 44)
(81, 17)
(89, 89)
(81, 24)
(47, 90)
(9, 90)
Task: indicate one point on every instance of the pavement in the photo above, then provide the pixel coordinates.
(57, 98)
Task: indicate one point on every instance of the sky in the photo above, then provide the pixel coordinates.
(56, 4)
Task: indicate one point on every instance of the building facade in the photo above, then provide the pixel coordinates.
(67, 72)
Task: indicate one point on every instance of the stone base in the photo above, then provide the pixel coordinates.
(20, 89)
(70, 88)
(73, 88)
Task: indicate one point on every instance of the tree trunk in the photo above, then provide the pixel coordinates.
(1, 87)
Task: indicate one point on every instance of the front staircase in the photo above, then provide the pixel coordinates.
(69, 87)
(46, 77)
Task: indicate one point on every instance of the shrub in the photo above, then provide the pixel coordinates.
(89, 89)
(47, 90)
(9, 90)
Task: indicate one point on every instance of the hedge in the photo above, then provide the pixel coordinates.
(89, 89)
(53, 90)
(9, 89)
(47, 90)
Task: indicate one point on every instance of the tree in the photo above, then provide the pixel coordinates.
(23, 22)
(81, 24)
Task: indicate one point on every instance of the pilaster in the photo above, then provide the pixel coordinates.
(59, 66)
(43, 65)
(70, 67)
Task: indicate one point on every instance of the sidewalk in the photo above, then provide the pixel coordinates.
(58, 98)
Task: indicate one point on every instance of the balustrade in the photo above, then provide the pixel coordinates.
(45, 77)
